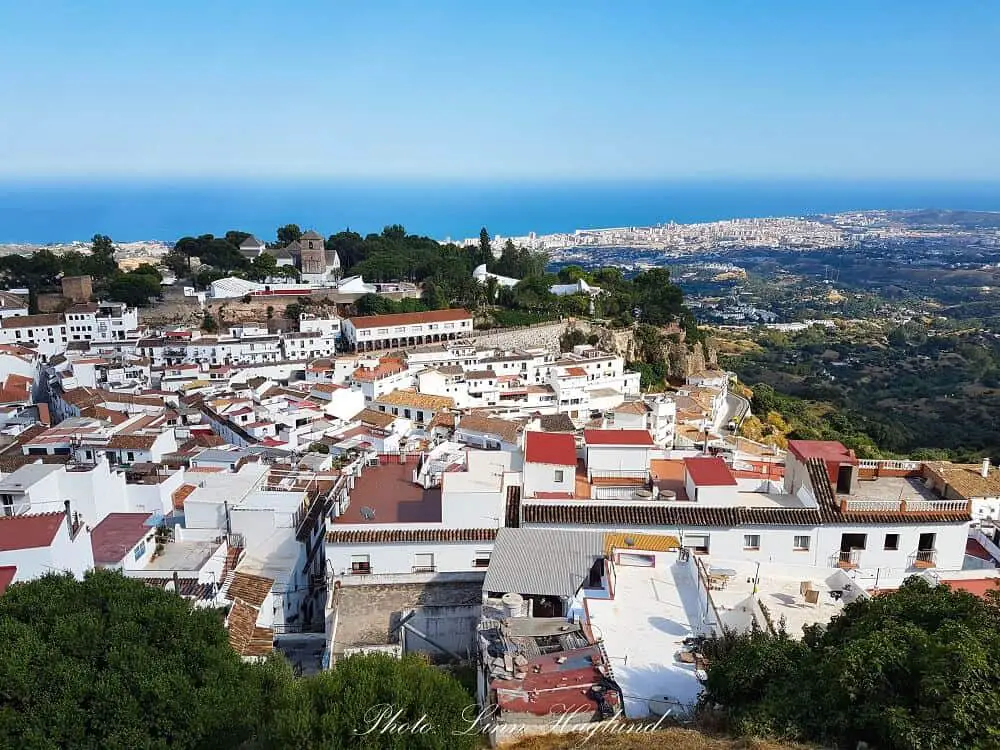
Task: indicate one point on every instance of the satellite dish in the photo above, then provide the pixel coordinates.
(368, 513)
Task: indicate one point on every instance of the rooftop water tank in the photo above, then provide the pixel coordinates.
(643, 495)
(513, 603)
(667, 495)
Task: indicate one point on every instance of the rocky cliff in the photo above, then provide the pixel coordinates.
(682, 359)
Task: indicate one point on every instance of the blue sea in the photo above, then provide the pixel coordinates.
(53, 212)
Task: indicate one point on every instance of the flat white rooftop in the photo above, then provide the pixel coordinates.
(768, 500)
(184, 556)
(643, 627)
(779, 590)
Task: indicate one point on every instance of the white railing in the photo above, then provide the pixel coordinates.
(939, 506)
(873, 506)
(912, 506)
(889, 464)
(614, 493)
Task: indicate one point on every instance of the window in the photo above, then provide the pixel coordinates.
(751, 541)
(891, 541)
(130, 457)
(423, 563)
(697, 542)
(559, 475)
(800, 544)
(360, 564)
(140, 551)
(481, 559)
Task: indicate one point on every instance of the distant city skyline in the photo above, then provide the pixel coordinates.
(457, 90)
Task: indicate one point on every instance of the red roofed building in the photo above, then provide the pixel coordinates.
(618, 453)
(123, 541)
(44, 543)
(708, 479)
(7, 574)
(549, 464)
(401, 330)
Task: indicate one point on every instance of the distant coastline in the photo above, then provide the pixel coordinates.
(52, 212)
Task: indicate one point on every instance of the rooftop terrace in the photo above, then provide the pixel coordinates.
(389, 492)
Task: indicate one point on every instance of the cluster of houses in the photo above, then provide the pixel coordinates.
(389, 483)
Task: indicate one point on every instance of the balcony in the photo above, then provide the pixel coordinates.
(424, 569)
(846, 560)
(923, 559)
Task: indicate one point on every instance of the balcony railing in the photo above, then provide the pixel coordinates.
(424, 569)
(923, 558)
(847, 560)
(877, 505)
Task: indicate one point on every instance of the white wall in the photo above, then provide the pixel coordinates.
(399, 559)
(542, 478)
(617, 458)
(154, 498)
(73, 555)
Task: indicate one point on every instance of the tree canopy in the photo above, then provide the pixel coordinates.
(110, 662)
(917, 669)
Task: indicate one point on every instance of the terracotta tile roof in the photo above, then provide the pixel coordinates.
(116, 535)
(181, 494)
(32, 321)
(480, 375)
(557, 448)
(505, 429)
(709, 471)
(29, 532)
(444, 419)
(618, 437)
(632, 407)
(131, 442)
(108, 415)
(374, 418)
(576, 372)
(7, 573)
(250, 588)
(244, 636)
(401, 536)
(646, 542)
(11, 461)
(556, 423)
(967, 479)
(414, 400)
(400, 319)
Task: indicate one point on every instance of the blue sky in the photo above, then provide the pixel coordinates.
(522, 90)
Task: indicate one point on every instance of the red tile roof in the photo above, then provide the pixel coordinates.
(618, 437)
(576, 372)
(7, 574)
(709, 471)
(116, 535)
(827, 450)
(181, 494)
(400, 319)
(558, 448)
(29, 532)
(397, 536)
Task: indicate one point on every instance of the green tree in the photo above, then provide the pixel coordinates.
(101, 261)
(112, 663)
(134, 289)
(208, 323)
(177, 263)
(288, 234)
(916, 669)
(145, 269)
(293, 311)
(335, 709)
(263, 267)
(485, 254)
(373, 304)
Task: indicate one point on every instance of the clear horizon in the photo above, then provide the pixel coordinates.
(448, 91)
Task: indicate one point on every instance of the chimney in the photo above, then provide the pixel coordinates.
(69, 517)
(177, 584)
(985, 471)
